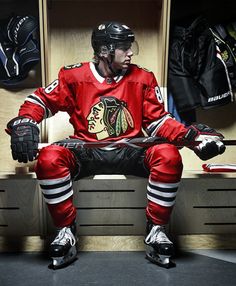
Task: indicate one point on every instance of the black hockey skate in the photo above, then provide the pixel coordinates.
(159, 248)
(63, 250)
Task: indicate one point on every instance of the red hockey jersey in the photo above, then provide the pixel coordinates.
(105, 108)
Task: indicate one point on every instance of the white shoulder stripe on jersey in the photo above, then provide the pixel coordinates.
(37, 100)
(154, 126)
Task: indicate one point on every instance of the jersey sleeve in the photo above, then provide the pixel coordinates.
(45, 102)
(156, 120)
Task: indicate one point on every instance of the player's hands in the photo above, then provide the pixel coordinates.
(211, 144)
(24, 134)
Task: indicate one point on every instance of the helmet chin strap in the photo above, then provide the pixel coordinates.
(109, 63)
(107, 57)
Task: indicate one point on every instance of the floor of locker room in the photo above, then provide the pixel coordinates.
(194, 267)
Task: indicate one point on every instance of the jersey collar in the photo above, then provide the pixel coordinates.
(102, 79)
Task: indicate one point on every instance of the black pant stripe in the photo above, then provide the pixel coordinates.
(54, 196)
(55, 186)
(168, 190)
(160, 197)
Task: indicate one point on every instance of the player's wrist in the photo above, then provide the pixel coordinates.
(191, 134)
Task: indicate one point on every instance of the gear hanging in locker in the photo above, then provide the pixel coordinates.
(225, 37)
(197, 75)
(19, 48)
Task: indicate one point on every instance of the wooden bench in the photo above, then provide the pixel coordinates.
(111, 210)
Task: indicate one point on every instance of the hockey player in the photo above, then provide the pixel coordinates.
(107, 99)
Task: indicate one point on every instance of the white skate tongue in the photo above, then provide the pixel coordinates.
(64, 236)
(157, 234)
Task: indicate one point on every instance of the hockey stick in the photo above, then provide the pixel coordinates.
(139, 142)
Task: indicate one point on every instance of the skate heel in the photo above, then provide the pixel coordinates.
(60, 262)
(159, 259)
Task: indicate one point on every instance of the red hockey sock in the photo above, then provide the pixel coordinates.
(158, 214)
(63, 214)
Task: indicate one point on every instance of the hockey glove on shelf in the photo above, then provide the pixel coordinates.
(211, 144)
(24, 134)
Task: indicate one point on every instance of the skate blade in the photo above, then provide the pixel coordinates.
(61, 262)
(160, 260)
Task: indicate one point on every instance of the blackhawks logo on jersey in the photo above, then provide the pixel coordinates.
(109, 118)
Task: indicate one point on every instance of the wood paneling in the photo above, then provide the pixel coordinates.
(205, 206)
(20, 207)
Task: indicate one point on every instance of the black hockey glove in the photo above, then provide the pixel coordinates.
(211, 144)
(24, 138)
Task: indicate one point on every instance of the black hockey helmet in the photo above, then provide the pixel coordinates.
(109, 34)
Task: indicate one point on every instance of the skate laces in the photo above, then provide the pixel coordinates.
(65, 235)
(157, 234)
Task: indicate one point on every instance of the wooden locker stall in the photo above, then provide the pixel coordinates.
(20, 200)
(114, 205)
(108, 206)
(206, 202)
(13, 96)
(67, 32)
(70, 25)
(222, 118)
